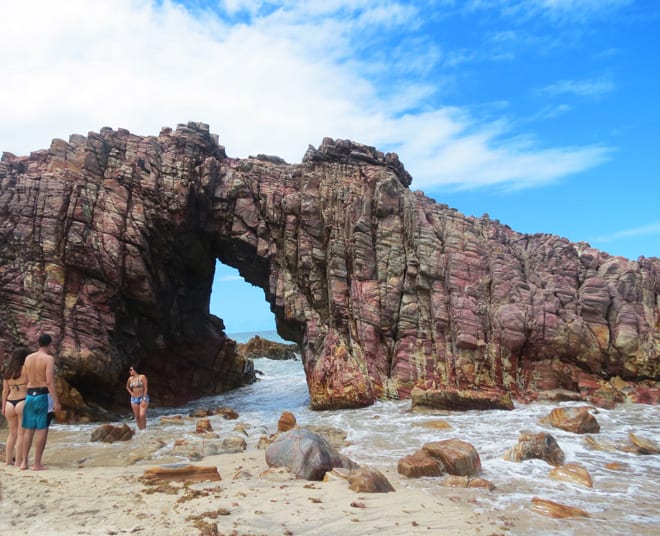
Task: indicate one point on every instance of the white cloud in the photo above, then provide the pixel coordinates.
(552, 111)
(585, 6)
(561, 10)
(231, 278)
(581, 88)
(275, 84)
(650, 229)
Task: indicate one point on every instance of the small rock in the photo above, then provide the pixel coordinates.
(181, 473)
(418, 464)
(368, 480)
(572, 472)
(203, 426)
(108, 433)
(233, 444)
(173, 419)
(456, 481)
(576, 420)
(287, 422)
(458, 457)
(542, 446)
(554, 509)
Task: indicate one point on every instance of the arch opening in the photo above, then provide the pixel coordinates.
(241, 305)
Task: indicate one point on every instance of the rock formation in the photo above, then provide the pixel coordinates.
(109, 243)
(258, 347)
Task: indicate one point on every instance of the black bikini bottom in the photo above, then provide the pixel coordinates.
(15, 402)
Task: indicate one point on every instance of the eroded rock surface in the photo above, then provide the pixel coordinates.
(109, 241)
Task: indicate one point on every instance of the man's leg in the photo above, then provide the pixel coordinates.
(28, 435)
(42, 435)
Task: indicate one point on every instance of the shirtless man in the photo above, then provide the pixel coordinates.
(40, 371)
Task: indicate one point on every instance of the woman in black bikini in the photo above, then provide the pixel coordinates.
(14, 391)
(138, 387)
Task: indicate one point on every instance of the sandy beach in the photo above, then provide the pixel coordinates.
(249, 499)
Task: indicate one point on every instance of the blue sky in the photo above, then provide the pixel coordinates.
(542, 113)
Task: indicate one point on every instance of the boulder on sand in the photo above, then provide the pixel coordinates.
(306, 454)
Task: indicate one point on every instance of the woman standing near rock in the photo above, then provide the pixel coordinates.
(138, 387)
(14, 391)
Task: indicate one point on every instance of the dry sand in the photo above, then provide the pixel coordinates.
(101, 497)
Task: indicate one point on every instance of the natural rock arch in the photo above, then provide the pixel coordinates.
(109, 243)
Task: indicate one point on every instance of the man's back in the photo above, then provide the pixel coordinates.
(36, 368)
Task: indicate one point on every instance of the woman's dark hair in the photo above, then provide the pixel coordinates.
(16, 363)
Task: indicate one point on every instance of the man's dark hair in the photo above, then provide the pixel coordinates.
(44, 340)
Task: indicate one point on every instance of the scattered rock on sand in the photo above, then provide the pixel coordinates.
(109, 433)
(418, 464)
(233, 444)
(368, 480)
(181, 473)
(305, 453)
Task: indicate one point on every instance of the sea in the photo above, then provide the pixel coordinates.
(625, 501)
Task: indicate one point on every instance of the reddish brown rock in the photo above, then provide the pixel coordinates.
(172, 419)
(203, 426)
(456, 481)
(461, 399)
(600, 444)
(438, 424)
(542, 446)
(181, 473)
(109, 242)
(227, 413)
(616, 466)
(572, 472)
(286, 422)
(643, 445)
(109, 433)
(368, 480)
(458, 457)
(420, 463)
(554, 509)
(573, 419)
(258, 347)
(202, 413)
(643, 394)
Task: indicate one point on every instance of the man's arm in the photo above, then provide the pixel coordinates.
(50, 382)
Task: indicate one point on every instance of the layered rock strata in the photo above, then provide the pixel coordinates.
(109, 243)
